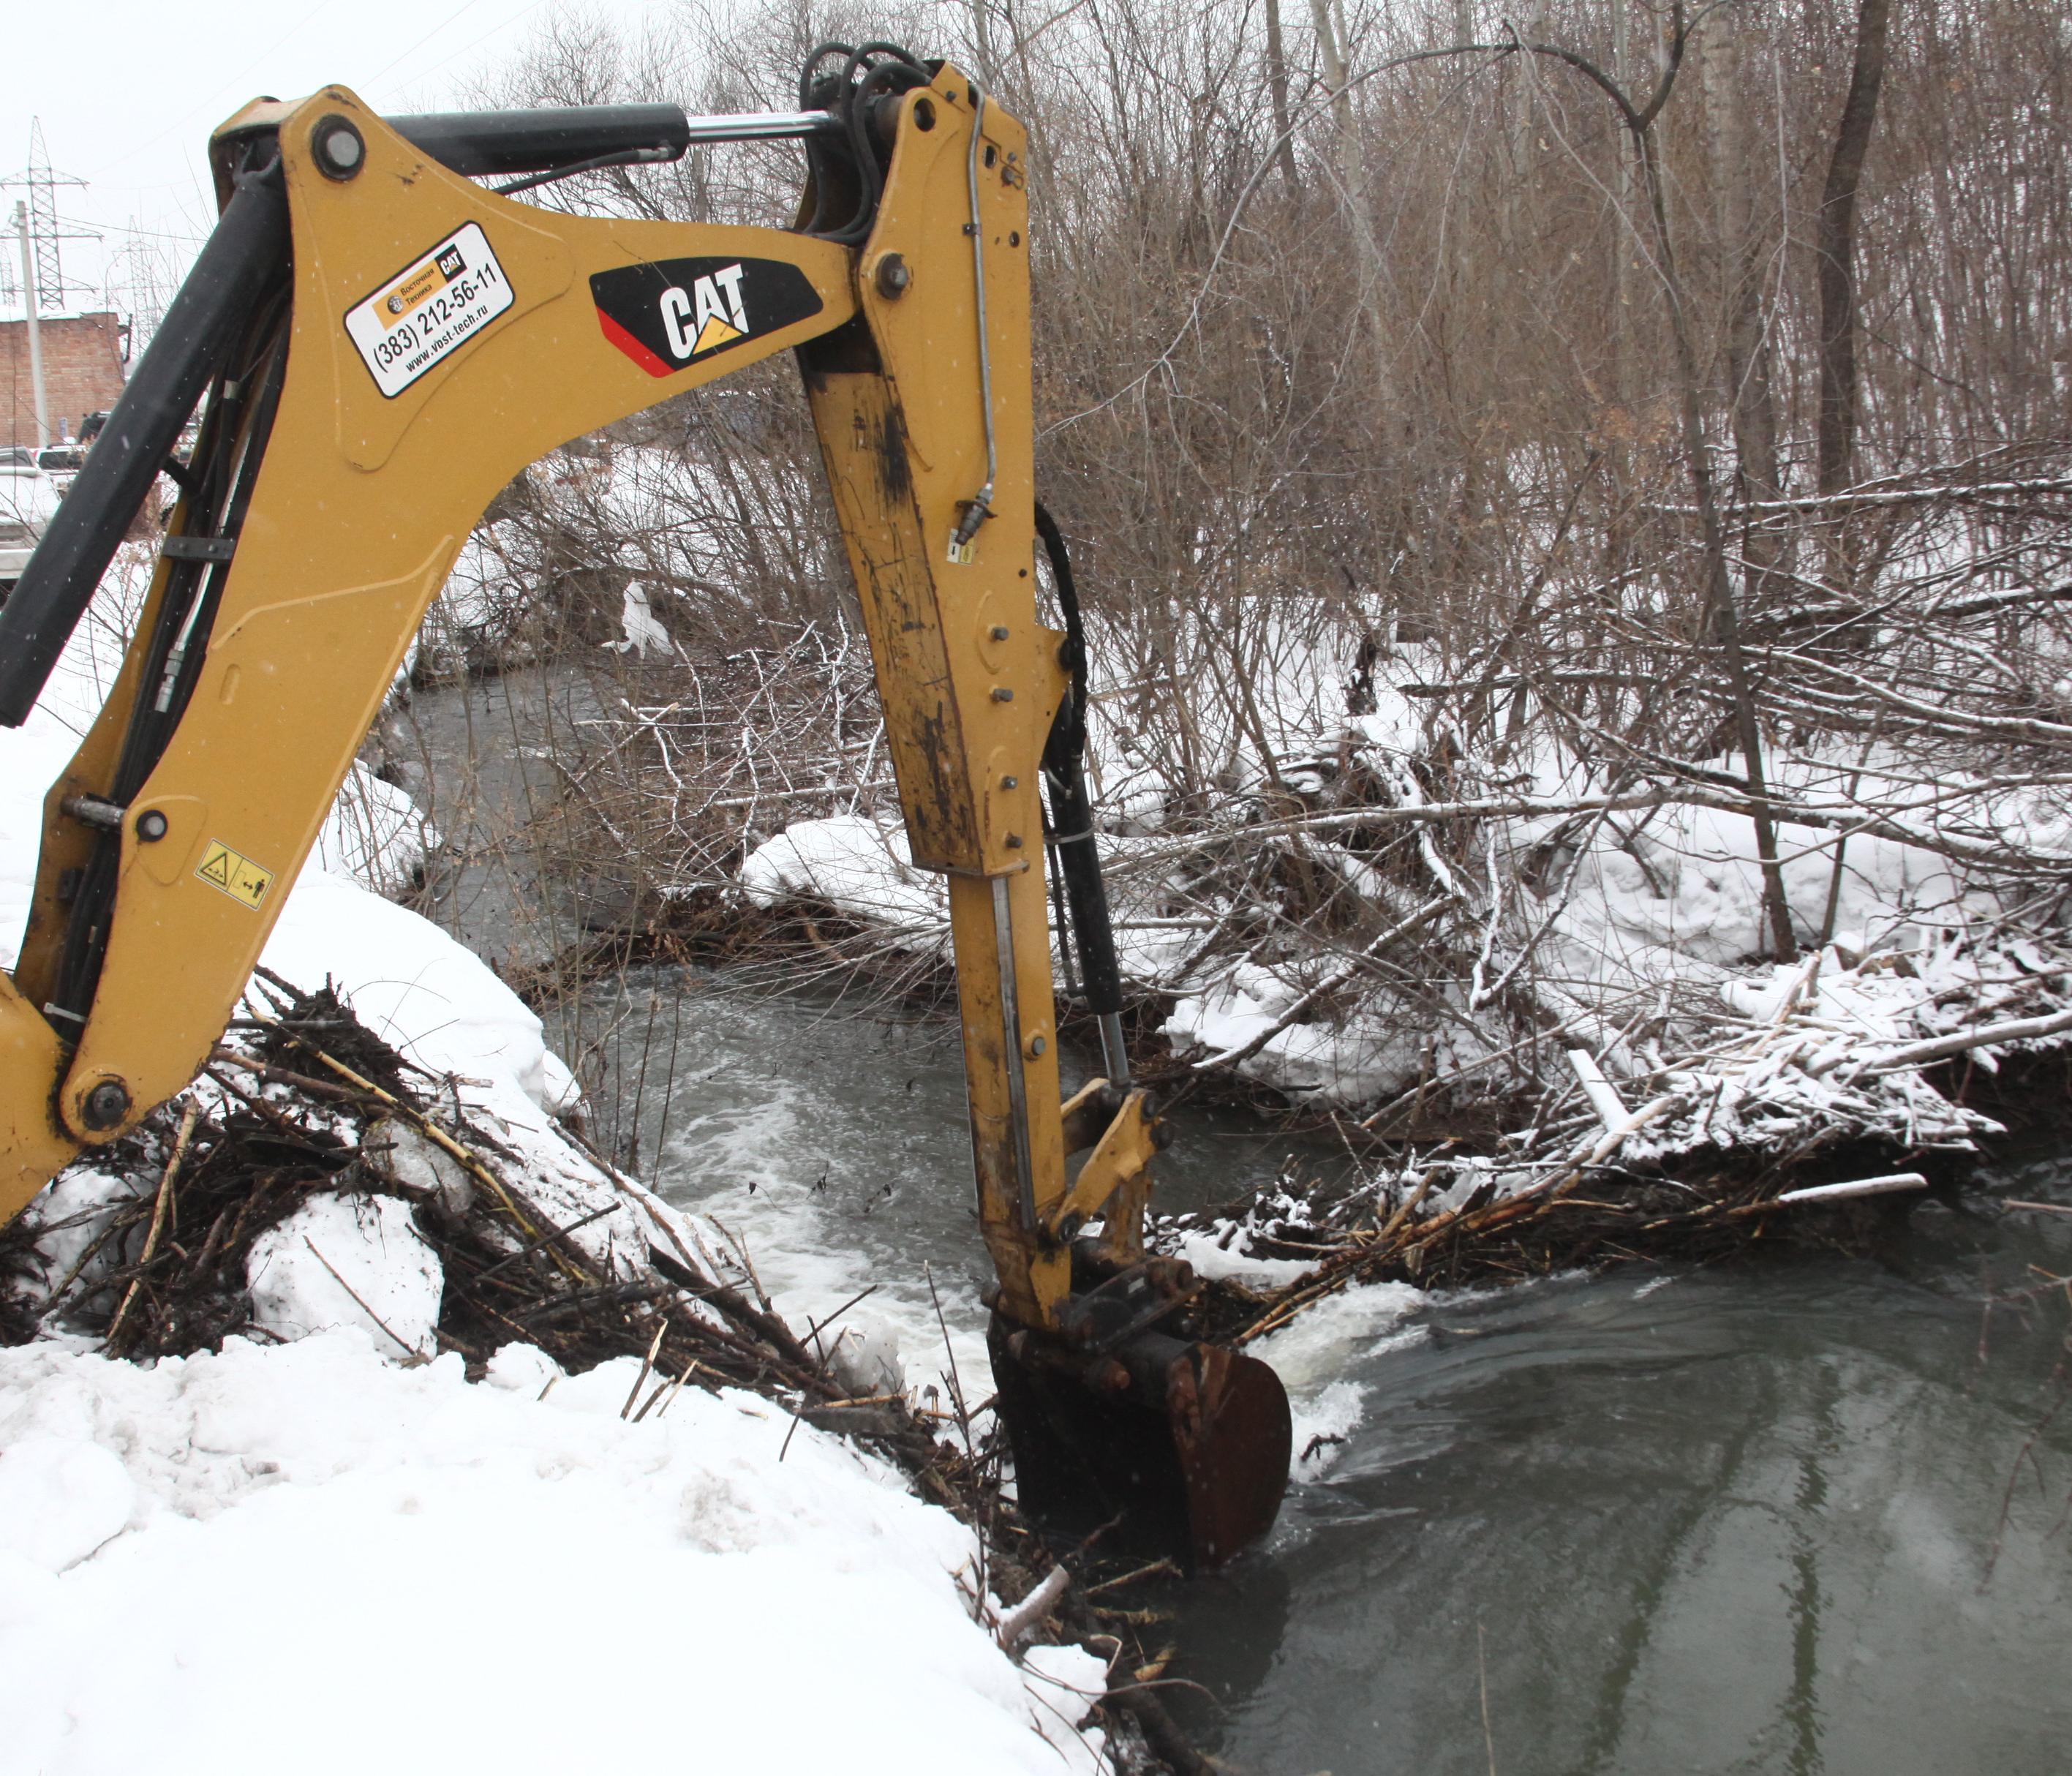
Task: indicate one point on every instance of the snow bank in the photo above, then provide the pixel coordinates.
(336, 1565)
(374, 834)
(1632, 934)
(433, 1000)
(860, 866)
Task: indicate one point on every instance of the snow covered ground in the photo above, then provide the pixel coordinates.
(335, 1565)
(331, 1554)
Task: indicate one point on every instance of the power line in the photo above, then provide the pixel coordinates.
(503, 24)
(212, 98)
(131, 227)
(464, 7)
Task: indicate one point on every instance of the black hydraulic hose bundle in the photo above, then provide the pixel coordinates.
(1072, 816)
(217, 484)
(224, 333)
(851, 164)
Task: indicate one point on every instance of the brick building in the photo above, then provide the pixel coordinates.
(82, 374)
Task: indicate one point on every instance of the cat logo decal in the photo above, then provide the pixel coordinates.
(669, 314)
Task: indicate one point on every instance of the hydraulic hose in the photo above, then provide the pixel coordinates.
(1072, 821)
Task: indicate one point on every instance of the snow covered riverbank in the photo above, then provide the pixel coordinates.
(1287, 943)
(307, 1555)
(336, 1551)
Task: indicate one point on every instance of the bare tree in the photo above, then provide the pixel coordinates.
(1836, 250)
(1276, 86)
(1744, 254)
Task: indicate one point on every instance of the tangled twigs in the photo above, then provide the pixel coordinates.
(424, 1124)
(252, 1143)
(180, 1141)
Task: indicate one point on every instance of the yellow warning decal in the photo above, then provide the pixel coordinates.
(234, 874)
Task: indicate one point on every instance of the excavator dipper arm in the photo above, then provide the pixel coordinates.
(384, 344)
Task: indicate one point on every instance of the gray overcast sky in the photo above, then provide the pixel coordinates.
(127, 90)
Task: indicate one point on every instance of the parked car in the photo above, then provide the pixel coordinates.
(28, 498)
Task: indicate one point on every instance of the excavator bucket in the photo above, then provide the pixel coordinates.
(1168, 1446)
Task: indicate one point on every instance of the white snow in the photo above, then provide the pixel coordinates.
(347, 1259)
(437, 1003)
(856, 865)
(75, 1209)
(305, 1559)
(1220, 1257)
(374, 834)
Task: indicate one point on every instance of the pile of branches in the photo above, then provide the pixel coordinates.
(309, 1102)
(1832, 1192)
(1581, 1215)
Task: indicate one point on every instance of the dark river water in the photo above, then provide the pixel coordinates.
(1754, 1519)
(1800, 1515)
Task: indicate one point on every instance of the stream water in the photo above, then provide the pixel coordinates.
(1800, 1516)
(1775, 1517)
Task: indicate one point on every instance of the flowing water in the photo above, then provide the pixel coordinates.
(829, 1137)
(479, 759)
(1803, 1515)
(1749, 1519)
(1800, 1516)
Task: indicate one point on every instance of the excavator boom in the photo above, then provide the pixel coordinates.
(380, 344)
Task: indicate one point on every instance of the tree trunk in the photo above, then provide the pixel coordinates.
(988, 71)
(1352, 163)
(1719, 589)
(1524, 99)
(1751, 400)
(1334, 49)
(1622, 265)
(1835, 252)
(1277, 87)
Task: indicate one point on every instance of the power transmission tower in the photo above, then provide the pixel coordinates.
(46, 231)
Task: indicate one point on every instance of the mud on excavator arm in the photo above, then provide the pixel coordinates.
(384, 344)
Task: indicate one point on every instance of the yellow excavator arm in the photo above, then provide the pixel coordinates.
(379, 344)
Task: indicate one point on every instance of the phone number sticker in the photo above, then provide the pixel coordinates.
(429, 309)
